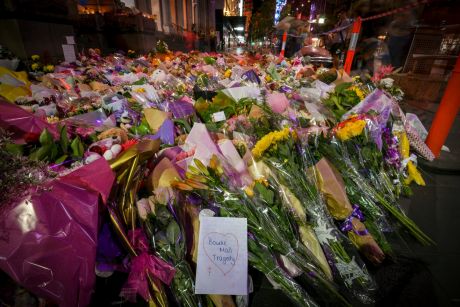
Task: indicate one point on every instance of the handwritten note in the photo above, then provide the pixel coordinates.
(70, 40)
(222, 266)
(218, 116)
(69, 53)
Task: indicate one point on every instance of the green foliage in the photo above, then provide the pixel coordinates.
(341, 99)
(17, 173)
(264, 193)
(222, 102)
(162, 47)
(141, 81)
(57, 151)
(209, 60)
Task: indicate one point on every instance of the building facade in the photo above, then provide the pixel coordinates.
(110, 25)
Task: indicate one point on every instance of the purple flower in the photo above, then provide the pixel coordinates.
(391, 155)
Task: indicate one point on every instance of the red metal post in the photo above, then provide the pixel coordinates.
(446, 113)
(352, 46)
(283, 45)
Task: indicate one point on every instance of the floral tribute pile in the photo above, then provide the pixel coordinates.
(107, 163)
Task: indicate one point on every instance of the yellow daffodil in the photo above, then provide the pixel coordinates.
(52, 119)
(269, 140)
(412, 172)
(350, 129)
(35, 66)
(413, 175)
(228, 73)
(268, 78)
(48, 68)
(140, 90)
(262, 180)
(35, 57)
(249, 191)
(358, 92)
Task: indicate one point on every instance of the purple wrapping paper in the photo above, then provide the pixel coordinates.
(181, 108)
(21, 122)
(251, 76)
(48, 241)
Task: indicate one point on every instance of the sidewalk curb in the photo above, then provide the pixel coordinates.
(446, 164)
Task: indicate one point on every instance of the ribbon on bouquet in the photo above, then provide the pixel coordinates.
(347, 224)
(412, 158)
(143, 266)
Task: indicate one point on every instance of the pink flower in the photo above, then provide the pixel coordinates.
(383, 71)
(185, 154)
(277, 102)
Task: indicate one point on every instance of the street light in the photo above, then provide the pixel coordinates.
(239, 28)
(321, 20)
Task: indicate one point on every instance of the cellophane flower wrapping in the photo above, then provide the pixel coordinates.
(49, 238)
(24, 125)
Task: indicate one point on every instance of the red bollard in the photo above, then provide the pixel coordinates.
(283, 45)
(446, 113)
(352, 46)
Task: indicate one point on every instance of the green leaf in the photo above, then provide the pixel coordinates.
(266, 194)
(209, 60)
(53, 152)
(141, 81)
(342, 87)
(14, 149)
(172, 232)
(46, 138)
(77, 148)
(42, 153)
(63, 139)
(61, 159)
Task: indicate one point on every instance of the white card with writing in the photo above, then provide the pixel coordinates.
(69, 53)
(218, 116)
(70, 40)
(222, 266)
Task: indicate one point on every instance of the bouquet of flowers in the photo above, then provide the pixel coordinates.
(279, 151)
(212, 183)
(361, 191)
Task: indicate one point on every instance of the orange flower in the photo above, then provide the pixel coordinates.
(181, 186)
(196, 184)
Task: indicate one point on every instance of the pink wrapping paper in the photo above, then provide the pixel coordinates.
(48, 241)
(22, 123)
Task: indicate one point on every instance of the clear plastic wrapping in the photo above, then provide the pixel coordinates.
(375, 205)
(289, 162)
(264, 224)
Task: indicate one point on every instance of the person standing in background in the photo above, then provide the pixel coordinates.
(400, 32)
(190, 38)
(338, 40)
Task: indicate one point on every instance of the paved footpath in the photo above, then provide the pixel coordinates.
(436, 209)
(421, 276)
